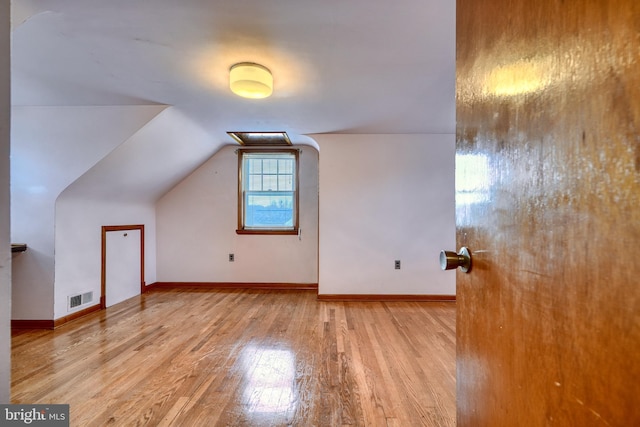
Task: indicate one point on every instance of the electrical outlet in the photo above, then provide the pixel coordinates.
(397, 264)
(232, 257)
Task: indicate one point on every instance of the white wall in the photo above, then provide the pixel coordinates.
(150, 162)
(78, 232)
(385, 198)
(75, 169)
(51, 147)
(5, 255)
(197, 221)
(122, 189)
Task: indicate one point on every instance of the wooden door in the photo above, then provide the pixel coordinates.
(548, 202)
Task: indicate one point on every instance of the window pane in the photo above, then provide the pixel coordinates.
(285, 166)
(255, 165)
(255, 182)
(270, 166)
(285, 182)
(266, 210)
(268, 189)
(270, 182)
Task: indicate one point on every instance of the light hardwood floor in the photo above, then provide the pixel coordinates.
(194, 357)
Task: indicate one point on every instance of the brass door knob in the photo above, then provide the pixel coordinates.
(450, 260)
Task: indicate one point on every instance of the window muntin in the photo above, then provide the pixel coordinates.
(268, 191)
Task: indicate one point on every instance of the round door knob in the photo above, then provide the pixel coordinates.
(450, 260)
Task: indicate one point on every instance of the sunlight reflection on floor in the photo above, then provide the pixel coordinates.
(269, 380)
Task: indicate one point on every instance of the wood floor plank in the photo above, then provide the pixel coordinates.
(193, 357)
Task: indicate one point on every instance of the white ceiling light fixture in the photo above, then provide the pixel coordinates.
(250, 80)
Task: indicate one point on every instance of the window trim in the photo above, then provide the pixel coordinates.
(296, 192)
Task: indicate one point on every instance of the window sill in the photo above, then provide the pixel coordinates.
(273, 232)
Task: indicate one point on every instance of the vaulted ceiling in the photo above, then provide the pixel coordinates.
(339, 66)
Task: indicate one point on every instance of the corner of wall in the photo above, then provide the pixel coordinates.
(5, 253)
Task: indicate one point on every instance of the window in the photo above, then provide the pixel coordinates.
(267, 191)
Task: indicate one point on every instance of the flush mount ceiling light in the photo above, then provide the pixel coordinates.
(250, 80)
(261, 138)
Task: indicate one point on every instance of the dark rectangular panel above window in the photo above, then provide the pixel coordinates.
(263, 139)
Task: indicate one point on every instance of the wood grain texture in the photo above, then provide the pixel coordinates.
(235, 285)
(76, 315)
(193, 357)
(385, 297)
(548, 110)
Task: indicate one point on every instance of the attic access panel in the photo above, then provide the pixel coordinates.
(261, 138)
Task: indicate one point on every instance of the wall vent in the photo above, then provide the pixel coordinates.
(79, 299)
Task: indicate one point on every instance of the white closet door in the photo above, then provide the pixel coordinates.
(123, 265)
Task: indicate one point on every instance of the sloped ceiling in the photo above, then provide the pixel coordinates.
(356, 66)
(147, 164)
